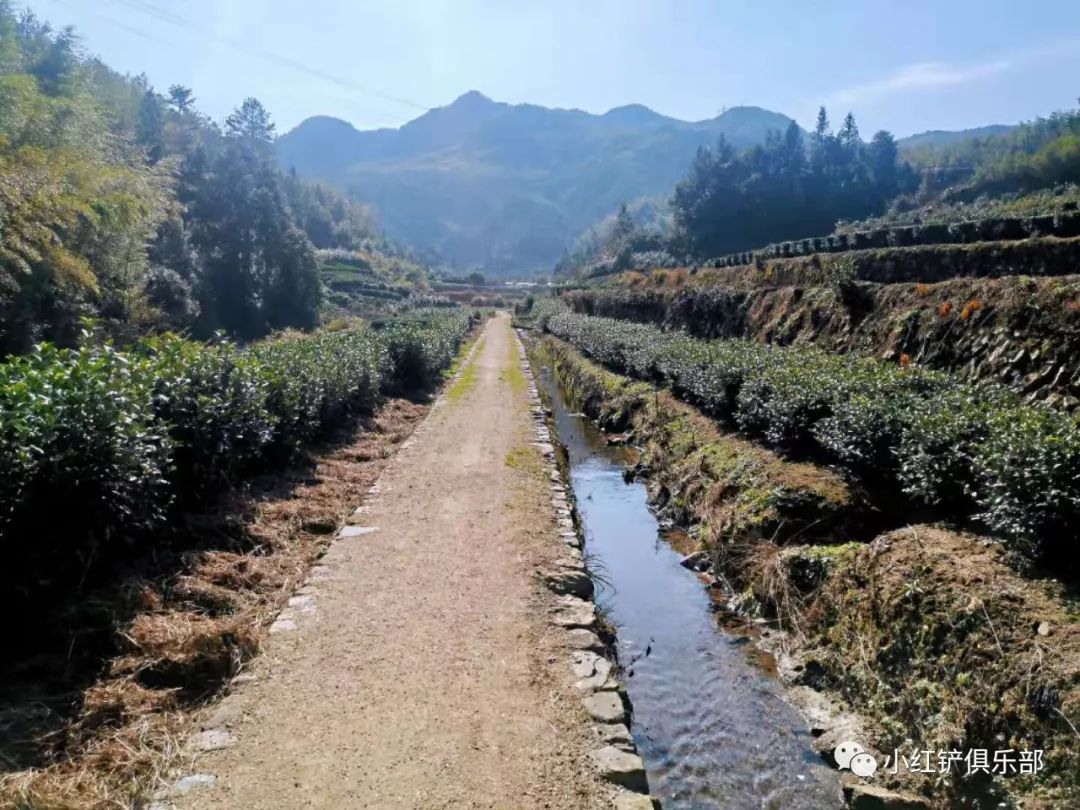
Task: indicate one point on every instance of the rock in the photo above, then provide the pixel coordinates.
(189, 783)
(306, 603)
(584, 664)
(580, 639)
(570, 538)
(607, 707)
(282, 626)
(613, 733)
(575, 613)
(214, 739)
(1043, 629)
(592, 671)
(569, 581)
(635, 801)
(356, 531)
(620, 768)
(829, 723)
(874, 797)
(698, 561)
(226, 715)
(570, 562)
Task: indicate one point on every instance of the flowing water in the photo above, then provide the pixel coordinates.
(709, 723)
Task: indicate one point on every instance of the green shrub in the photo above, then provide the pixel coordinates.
(935, 452)
(78, 434)
(212, 399)
(115, 439)
(1027, 473)
(975, 450)
(869, 421)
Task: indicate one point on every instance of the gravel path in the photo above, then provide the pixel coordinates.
(427, 675)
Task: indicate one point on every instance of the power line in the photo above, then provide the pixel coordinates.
(155, 11)
(124, 26)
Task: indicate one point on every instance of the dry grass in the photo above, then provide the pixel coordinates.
(194, 627)
(939, 640)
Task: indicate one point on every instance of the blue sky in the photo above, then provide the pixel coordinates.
(904, 66)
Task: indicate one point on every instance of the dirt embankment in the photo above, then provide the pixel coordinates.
(1019, 331)
(923, 630)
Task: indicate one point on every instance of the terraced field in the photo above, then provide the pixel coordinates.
(895, 521)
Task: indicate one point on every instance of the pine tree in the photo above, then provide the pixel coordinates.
(181, 99)
(849, 135)
(150, 130)
(821, 127)
(252, 121)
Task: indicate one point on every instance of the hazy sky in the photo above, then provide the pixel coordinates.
(904, 66)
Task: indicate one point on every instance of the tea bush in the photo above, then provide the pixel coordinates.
(977, 450)
(110, 441)
(78, 433)
(1064, 224)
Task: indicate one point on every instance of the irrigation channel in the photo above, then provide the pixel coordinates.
(710, 724)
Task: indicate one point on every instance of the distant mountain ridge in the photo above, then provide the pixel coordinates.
(508, 187)
(942, 137)
(504, 186)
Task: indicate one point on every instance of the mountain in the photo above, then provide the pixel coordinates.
(509, 186)
(941, 137)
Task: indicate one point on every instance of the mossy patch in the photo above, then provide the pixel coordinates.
(525, 458)
(513, 375)
(468, 376)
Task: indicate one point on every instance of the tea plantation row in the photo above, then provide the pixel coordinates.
(1065, 224)
(97, 445)
(967, 450)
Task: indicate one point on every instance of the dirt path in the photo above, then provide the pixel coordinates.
(426, 676)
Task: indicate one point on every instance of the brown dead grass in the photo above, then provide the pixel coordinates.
(942, 643)
(195, 627)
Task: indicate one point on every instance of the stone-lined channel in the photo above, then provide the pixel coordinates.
(711, 726)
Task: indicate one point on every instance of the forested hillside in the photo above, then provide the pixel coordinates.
(509, 187)
(1031, 156)
(129, 206)
(832, 191)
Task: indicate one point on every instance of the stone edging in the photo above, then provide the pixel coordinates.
(590, 660)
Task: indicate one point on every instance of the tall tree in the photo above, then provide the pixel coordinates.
(181, 99)
(624, 225)
(150, 130)
(252, 121)
(849, 136)
(821, 126)
(881, 156)
(732, 202)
